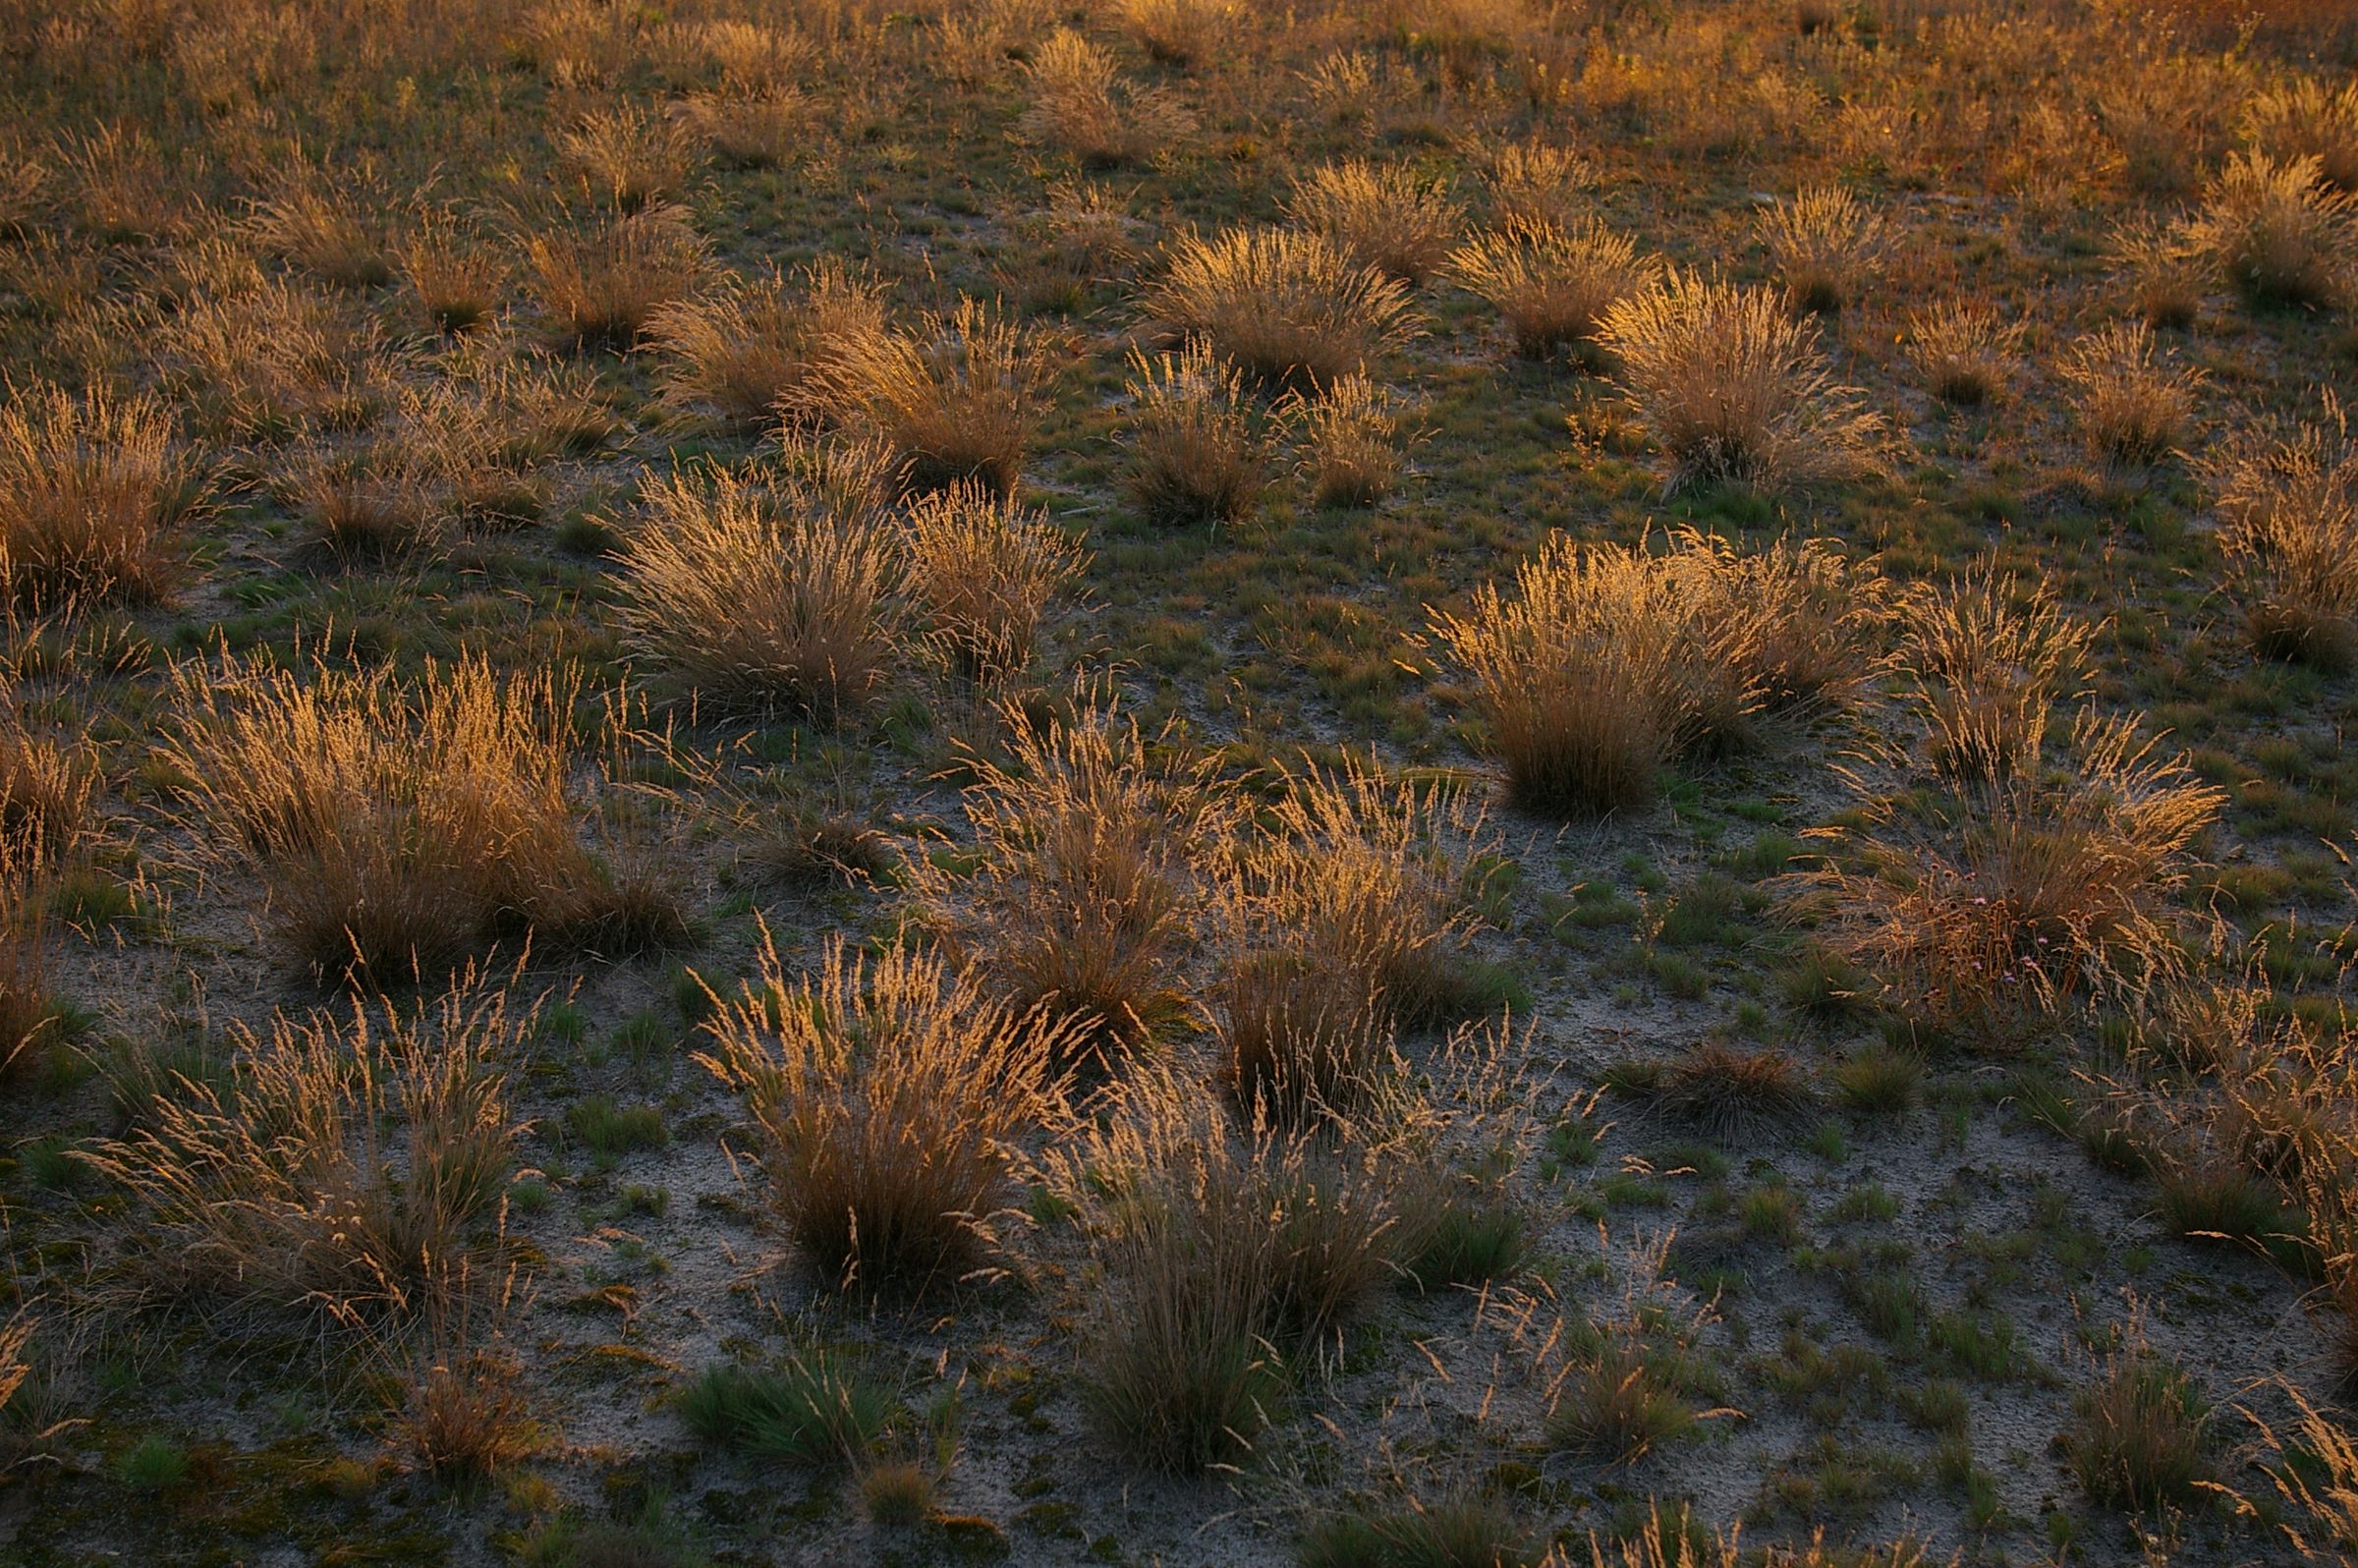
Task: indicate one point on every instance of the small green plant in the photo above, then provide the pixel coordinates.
(153, 1464)
(817, 1407)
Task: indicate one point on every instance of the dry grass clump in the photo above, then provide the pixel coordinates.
(346, 1165)
(2168, 271)
(956, 402)
(2288, 526)
(277, 359)
(1345, 915)
(468, 1419)
(89, 488)
(1823, 244)
(757, 349)
(629, 155)
(1199, 446)
(1285, 307)
(1608, 663)
(983, 570)
(457, 279)
(1227, 1253)
(1380, 215)
(768, 597)
(1350, 442)
(889, 1096)
(29, 1012)
(46, 787)
(1733, 387)
(1736, 1096)
(1534, 183)
(368, 504)
(1964, 352)
(2303, 118)
(600, 283)
(1082, 107)
(2133, 406)
(1680, 1541)
(1080, 892)
(327, 234)
(397, 827)
(1553, 283)
(2009, 890)
(1984, 673)
(2321, 1481)
(1179, 32)
(2279, 234)
(747, 130)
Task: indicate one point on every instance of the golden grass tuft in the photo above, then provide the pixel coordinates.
(889, 1095)
(2133, 403)
(1199, 446)
(1380, 215)
(1179, 32)
(1964, 352)
(2305, 118)
(778, 596)
(2000, 899)
(457, 280)
(1608, 663)
(1350, 442)
(1080, 892)
(1984, 673)
(982, 571)
(398, 827)
(1226, 1252)
(1537, 184)
(28, 1006)
(277, 360)
(2278, 231)
(754, 350)
(1346, 915)
(327, 233)
(599, 283)
(629, 156)
(1732, 388)
(2287, 505)
(1082, 107)
(1552, 282)
(747, 130)
(1285, 307)
(347, 1166)
(2165, 271)
(1823, 244)
(89, 488)
(956, 402)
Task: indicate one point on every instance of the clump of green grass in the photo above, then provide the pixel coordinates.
(817, 1407)
(2140, 1435)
